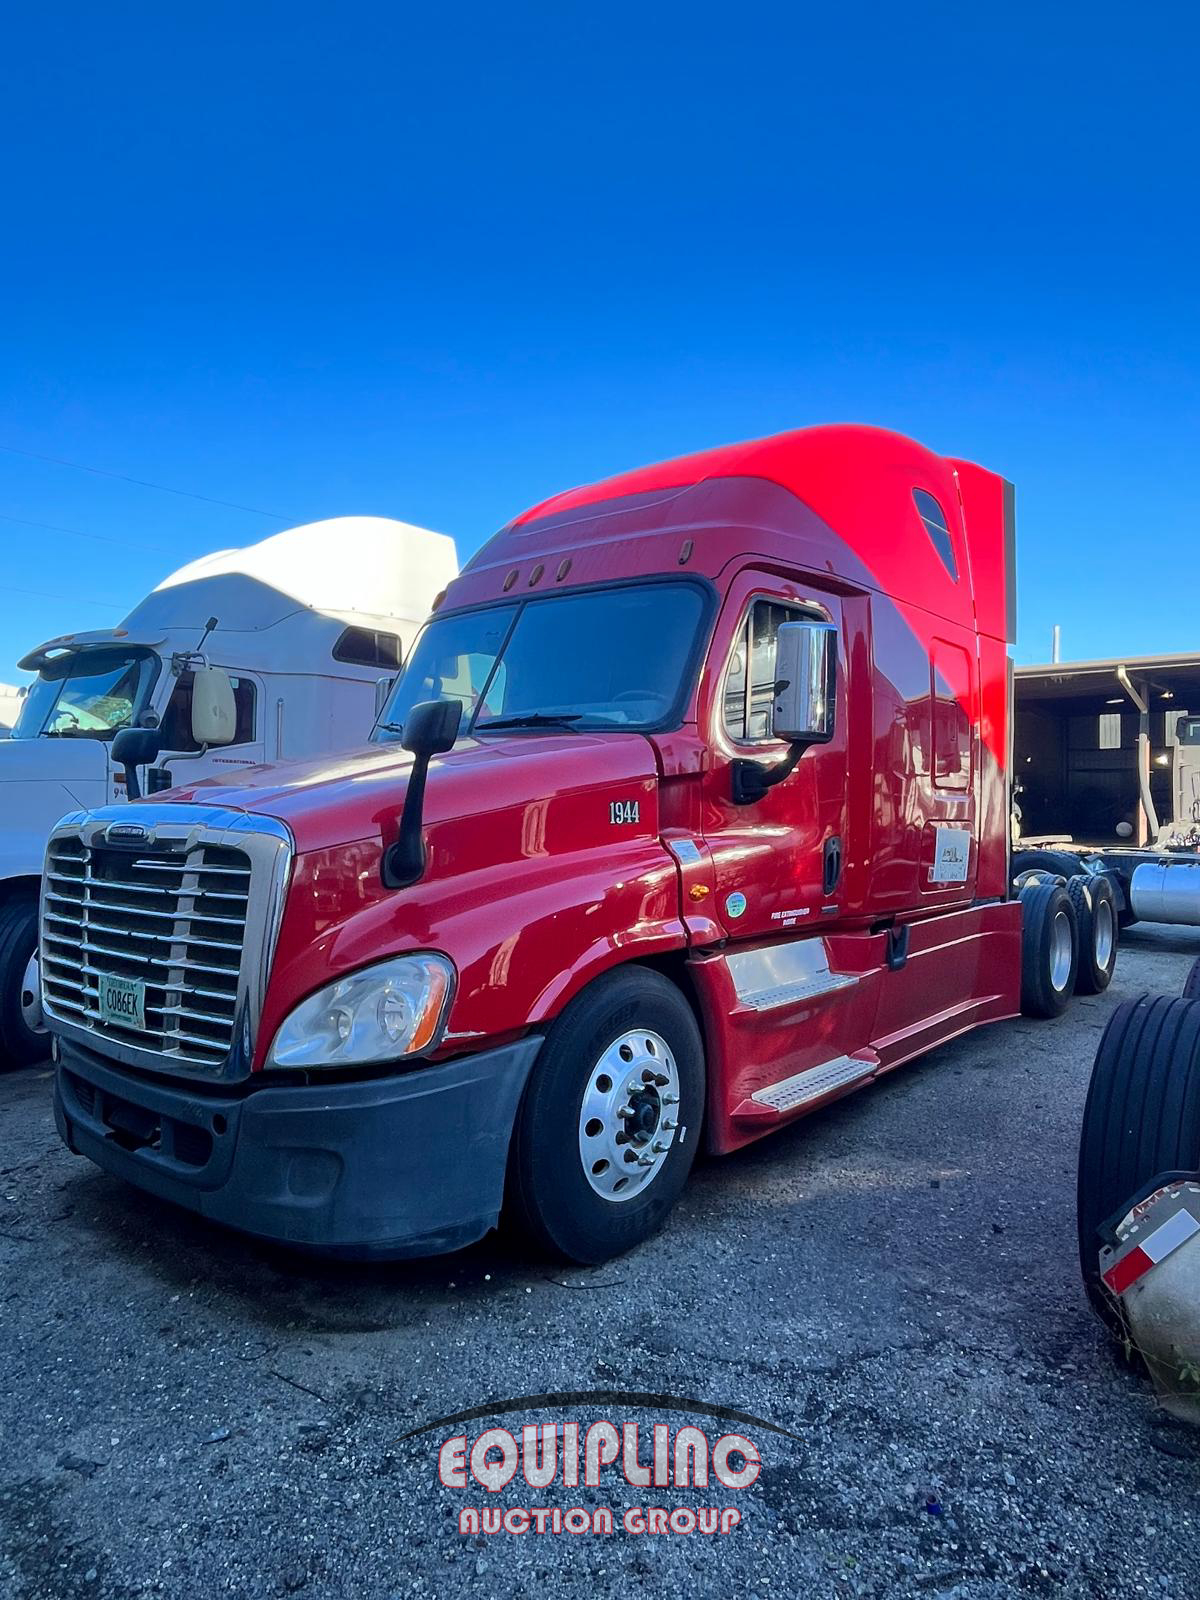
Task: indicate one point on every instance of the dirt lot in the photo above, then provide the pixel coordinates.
(893, 1281)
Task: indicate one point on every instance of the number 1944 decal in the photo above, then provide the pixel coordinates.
(624, 811)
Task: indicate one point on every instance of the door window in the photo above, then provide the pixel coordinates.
(177, 718)
(748, 696)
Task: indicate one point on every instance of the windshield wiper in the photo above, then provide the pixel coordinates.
(529, 719)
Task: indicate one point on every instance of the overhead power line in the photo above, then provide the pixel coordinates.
(70, 599)
(144, 483)
(81, 533)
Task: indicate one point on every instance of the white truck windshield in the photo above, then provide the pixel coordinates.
(602, 658)
(89, 694)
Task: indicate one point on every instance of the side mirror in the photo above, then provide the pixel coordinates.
(430, 729)
(133, 748)
(805, 682)
(214, 710)
(804, 708)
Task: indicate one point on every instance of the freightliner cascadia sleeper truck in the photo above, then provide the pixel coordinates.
(688, 813)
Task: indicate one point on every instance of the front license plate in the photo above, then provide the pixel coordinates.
(123, 1000)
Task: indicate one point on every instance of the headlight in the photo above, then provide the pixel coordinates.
(395, 1008)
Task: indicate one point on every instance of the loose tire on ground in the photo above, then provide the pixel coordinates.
(1049, 949)
(1096, 916)
(566, 1173)
(1191, 985)
(22, 1039)
(1141, 1121)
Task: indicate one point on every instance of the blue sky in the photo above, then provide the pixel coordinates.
(436, 263)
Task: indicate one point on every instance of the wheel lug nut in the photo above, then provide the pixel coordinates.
(669, 1124)
(624, 1112)
(634, 1085)
(670, 1099)
(645, 1161)
(661, 1079)
(621, 1138)
(659, 1147)
(631, 1156)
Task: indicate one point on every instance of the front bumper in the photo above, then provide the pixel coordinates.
(408, 1165)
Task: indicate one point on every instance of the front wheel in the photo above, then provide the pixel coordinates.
(610, 1121)
(23, 1037)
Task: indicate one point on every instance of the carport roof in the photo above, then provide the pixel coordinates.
(1171, 677)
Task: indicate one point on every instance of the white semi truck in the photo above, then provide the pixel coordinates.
(281, 649)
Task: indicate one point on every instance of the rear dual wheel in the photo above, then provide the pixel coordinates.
(1096, 919)
(609, 1125)
(1049, 949)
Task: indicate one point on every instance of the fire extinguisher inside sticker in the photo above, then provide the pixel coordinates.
(951, 855)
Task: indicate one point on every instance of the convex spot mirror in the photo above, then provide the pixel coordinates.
(214, 710)
(805, 682)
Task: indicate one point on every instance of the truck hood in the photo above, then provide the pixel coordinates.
(54, 761)
(358, 795)
(42, 780)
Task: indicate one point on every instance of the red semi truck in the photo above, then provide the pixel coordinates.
(688, 814)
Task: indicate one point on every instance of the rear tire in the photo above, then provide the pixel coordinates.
(23, 1038)
(1049, 949)
(1141, 1121)
(1060, 862)
(626, 1054)
(1096, 916)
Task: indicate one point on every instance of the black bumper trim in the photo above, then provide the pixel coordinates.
(408, 1165)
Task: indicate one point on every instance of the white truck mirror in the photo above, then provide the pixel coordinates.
(214, 710)
(805, 682)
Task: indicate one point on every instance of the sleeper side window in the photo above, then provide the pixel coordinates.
(938, 529)
(748, 694)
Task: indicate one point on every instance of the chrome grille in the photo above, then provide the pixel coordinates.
(175, 919)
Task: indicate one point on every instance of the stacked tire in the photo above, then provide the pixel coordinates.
(1141, 1122)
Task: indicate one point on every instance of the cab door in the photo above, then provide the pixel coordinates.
(778, 863)
(247, 748)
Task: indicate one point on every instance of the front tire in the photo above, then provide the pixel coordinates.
(23, 1037)
(611, 1119)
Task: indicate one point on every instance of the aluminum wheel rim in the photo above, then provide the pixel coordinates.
(1103, 933)
(31, 996)
(630, 1115)
(1062, 950)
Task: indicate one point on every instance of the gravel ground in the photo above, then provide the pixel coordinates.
(893, 1281)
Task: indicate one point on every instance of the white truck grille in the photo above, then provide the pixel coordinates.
(173, 919)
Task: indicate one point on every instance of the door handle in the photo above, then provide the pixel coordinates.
(833, 865)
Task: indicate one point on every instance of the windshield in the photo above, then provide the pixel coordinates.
(604, 658)
(88, 694)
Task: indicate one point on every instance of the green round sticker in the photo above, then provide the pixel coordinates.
(735, 903)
